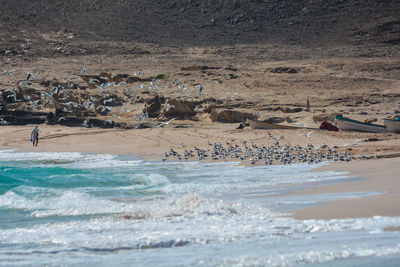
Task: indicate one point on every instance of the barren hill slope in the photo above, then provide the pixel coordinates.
(211, 22)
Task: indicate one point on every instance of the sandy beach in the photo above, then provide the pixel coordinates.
(378, 175)
(193, 133)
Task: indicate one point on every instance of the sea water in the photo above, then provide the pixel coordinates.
(74, 209)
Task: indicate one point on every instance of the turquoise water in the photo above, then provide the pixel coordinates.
(74, 209)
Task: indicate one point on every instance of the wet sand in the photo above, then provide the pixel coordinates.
(380, 175)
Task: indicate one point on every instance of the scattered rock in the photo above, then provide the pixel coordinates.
(197, 68)
(153, 105)
(289, 110)
(231, 116)
(283, 70)
(371, 139)
(320, 117)
(326, 117)
(205, 107)
(370, 120)
(178, 108)
(288, 119)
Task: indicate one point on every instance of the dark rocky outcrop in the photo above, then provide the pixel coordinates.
(283, 70)
(289, 110)
(180, 108)
(153, 105)
(231, 116)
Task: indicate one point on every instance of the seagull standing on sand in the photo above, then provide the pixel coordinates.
(9, 72)
(168, 107)
(47, 102)
(34, 103)
(154, 86)
(138, 117)
(182, 88)
(14, 94)
(30, 75)
(139, 73)
(145, 114)
(166, 123)
(56, 89)
(201, 88)
(107, 85)
(85, 124)
(83, 72)
(108, 101)
(88, 104)
(123, 82)
(93, 81)
(128, 91)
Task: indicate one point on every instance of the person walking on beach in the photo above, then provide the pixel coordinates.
(35, 136)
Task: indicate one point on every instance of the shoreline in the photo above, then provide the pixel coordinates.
(379, 175)
(149, 144)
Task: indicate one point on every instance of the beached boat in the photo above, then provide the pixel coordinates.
(271, 126)
(392, 125)
(346, 124)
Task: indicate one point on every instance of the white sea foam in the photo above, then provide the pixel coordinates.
(95, 209)
(67, 159)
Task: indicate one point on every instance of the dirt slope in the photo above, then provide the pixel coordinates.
(213, 22)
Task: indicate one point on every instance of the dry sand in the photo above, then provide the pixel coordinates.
(151, 143)
(381, 175)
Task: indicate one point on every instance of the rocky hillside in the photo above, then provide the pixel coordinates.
(212, 22)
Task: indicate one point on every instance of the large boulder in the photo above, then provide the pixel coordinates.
(177, 108)
(326, 117)
(231, 115)
(153, 105)
(70, 121)
(24, 120)
(93, 122)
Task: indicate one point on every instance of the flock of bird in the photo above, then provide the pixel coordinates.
(246, 151)
(104, 88)
(256, 154)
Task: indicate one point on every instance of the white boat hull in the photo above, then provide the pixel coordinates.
(392, 125)
(352, 125)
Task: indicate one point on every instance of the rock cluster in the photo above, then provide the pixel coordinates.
(103, 99)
